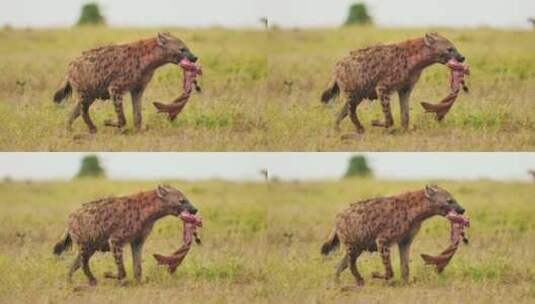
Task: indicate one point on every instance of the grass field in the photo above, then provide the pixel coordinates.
(227, 116)
(261, 93)
(496, 115)
(261, 244)
(224, 269)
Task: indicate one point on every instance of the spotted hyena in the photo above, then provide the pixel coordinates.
(111, 71)
(110, 223)
(378, 223)
(378, 71)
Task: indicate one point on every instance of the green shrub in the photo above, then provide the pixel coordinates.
(358, 166)
(90, 167)
(358, 14)
(91, 15)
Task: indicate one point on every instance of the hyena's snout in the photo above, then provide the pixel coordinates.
(192, 57)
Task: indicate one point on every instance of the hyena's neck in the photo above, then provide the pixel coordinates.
(419, 55)
(151, 56)
(418, 207)
(152, 208)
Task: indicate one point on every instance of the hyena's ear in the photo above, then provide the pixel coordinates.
(162, 39)
(430, 39)
(161, 191)
(430, 191)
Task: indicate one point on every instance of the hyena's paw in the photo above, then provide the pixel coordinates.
(111, 275)
(355, 287)
(111, 123)
(378, 275)
(351, 136)
(84, 288)
(380, 123)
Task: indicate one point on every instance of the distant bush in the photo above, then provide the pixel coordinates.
(358, 14)
(90, 167)
(91, 15)
(358, 166)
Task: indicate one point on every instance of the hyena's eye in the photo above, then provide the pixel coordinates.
(182, 49)
(450, 49)
(450, 201)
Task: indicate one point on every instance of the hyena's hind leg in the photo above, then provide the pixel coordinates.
(75, 113)
(340, 116)
(86, 256)
(342, 265)
(86, 104)
(76, 264)
(353, 256)
(349, 108)
(353, 103)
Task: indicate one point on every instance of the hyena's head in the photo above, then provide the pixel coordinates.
(175, 49)
(442, 48)
(441, 200)
(174, 201)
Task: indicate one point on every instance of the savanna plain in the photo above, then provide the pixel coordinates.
(261, 93)
(495, 115)
(261, 244)
(226, 116)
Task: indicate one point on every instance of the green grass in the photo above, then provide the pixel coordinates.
(496, 267)
(226, 116)
(261, 245)
(224, 269)
(494, 116)
(246, 105)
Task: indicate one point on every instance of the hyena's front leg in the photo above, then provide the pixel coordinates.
(404, 251)
(384, 96)
(136, 107)
(404, 95)
(137, 249)
(384, 249)
(116, 248)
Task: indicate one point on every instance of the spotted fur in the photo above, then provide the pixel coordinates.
(113, 70)
(110, 223)
(378, 71)
(378, 223)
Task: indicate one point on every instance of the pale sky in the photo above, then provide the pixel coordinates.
(286, 166)
(285, 13)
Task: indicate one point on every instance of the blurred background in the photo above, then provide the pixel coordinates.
(408, 13)
(262, 166)
(283, 13)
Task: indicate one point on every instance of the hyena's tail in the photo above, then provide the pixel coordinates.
(64, 90)
(331, 244)
(331, 91)
(63, 244)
